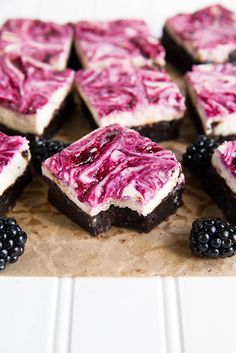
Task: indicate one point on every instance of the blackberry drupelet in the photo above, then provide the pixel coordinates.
(213, 237)
(12, 241)
(198, 155)
(43, 149)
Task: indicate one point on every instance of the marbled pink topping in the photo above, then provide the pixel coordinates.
(9, 145)
(227, 155)
(121, 88)
(41, 41)
(206, 28)
(26, 88)
(215, 87)
(102, 165)
(116, 41)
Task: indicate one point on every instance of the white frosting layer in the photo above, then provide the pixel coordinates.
(13, 170)
(225, 123)
(34, 123)
(132, 192)
(221, 169)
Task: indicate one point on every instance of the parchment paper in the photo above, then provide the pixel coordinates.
(58, 247)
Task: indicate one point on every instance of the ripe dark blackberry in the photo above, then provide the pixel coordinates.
(43, 149)
(12, 241)
(198, 155)
(213, 237)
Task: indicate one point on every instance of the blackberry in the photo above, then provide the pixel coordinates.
(198, 155)
(12, 241)
(213, 237)
(43, 149)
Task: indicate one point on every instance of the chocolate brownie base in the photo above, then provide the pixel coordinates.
(179, 57)
(225, 198)
(198, 123)
(121, 217)
(8, 198)
(59, 117)
(162, 131)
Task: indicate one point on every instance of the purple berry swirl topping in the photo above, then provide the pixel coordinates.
(9, 145)
(123, 88)
(114, 165)
(26, 88)
(215, 88)
(210, 32)
(45, 42)
(116, 41)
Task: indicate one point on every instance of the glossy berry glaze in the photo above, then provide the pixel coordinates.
(119, 89)
(215, 88)
(116, 41)
(205, 30)
(45, 42)
(114, 164)
(26, 88)
(9, 146)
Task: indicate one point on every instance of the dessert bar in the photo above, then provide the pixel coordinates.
(46, 43)
(14, 169)
(220, 181)
(103, 43)
(207, 35)
(145, 99)
(31, 98)
(211, 90)
(114, 176)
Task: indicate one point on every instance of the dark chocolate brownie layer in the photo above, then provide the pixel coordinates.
(122, 217)
(59, 116)
(198, 123)
(221, 193)
(8, 198)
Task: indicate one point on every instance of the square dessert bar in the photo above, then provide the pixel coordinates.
(145, 99)
(14, 169)
(104, 43)
(220, 181)
(207, 35)
(31, 98)
(114, 176)
(45, 42)
(212, 98)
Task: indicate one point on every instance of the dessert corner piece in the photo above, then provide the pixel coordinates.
(103, 43)
(14, 169)
(207, 35)
(114, 176)
(212, 100)
(145, 99)
(42, 42)
(33, 101)
(220, 180)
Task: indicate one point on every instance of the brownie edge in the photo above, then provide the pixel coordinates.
(225, 198)
(121, 217)
(8, 198)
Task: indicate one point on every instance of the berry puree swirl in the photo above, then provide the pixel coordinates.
(115, 41)
(114, 165)
(9, 146)
(26, 88)
(210, 32)
(215, 88)
(44, 42)
(123, 88)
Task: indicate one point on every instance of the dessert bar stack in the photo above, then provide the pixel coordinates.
(124, 80)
